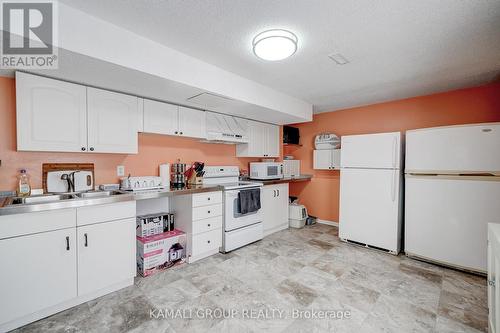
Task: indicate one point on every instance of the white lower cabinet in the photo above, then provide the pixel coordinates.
(62, 263)
(275, 208)
(200, 217)
(106, 254)
(38, 271)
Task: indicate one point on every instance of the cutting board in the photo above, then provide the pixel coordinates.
(52, 182)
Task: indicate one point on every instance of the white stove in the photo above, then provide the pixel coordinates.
(238, 229)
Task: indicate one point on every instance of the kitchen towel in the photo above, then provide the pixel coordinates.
(249, 200)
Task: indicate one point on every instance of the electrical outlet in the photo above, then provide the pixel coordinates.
(120, 171)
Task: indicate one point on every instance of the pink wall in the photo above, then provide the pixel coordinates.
(153, 150)
(321, 195)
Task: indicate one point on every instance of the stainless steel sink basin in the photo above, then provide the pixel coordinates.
(94, 194)
(41, 199)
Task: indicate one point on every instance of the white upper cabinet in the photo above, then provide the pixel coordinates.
(112, 122)
(326, 159)
(160, 118)
(51, 114)
(273, 140)
(263, 141)
(192, 123)
(54, 115)
(170, 119)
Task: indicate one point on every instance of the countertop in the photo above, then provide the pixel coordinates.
(127, 196)
(301, 178)
(80, 202)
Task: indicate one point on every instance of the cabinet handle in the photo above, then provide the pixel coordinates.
(491, 283)
(83, 148)
(181, 133)
(278, 192)
(274, 193)
(208, 224)
(208, 242)
(208, 212)
(86, 240)
(67, 243)
(176, 132)
(91, 148)
(208, 198)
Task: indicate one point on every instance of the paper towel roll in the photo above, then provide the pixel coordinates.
(165, 175)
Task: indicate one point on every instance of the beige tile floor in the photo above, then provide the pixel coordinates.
(306, 270)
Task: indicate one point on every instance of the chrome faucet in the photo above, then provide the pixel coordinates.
(70, 178)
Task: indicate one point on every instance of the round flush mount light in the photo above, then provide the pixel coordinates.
(275, 44)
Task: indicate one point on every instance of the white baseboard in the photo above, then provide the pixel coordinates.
(335, 224)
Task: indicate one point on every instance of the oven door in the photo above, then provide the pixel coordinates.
(233, 219)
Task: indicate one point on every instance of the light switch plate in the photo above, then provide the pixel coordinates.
(120, 171)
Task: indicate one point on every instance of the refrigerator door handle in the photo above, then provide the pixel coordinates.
(394, 151)
(393, 185)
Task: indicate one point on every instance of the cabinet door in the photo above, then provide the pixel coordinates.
(282, 205)
(274, 207)
(272, 140)
(112, 122)
(192, 123)
(257, 143)
(268, 201)
(39, 271)
(256, 146)
(106, 254)
(161, 118)
(51, 114)
(322, 159)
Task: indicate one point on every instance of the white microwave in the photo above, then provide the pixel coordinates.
(266, 170)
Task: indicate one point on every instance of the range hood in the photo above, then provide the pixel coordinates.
(226, 129)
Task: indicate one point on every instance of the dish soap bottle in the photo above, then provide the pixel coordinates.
(23, 186)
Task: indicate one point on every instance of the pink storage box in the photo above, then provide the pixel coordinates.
(161, 251)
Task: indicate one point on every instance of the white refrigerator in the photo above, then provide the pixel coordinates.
(370, 190)
(452, 191)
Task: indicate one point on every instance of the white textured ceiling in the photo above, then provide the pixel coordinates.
(396, 48)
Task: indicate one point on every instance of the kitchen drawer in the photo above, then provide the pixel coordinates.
(206, 199)
(206, 241)
(31, 223)
(207, 225)
(103, 213)
(206, 212)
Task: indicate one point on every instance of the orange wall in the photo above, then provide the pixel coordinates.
(321, 195)
(153, 150)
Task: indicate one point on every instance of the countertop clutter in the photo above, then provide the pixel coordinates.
(9, 205)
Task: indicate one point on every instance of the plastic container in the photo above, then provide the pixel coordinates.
(23, 184)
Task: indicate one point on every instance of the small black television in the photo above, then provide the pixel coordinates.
(291, 135)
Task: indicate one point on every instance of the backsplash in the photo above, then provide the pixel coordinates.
(153, 150)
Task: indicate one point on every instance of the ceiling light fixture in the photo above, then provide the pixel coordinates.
(275, 44)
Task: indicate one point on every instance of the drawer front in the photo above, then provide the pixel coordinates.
(206, 199)
(206, 241)
(103, 213)
(205, 225)
(206, 212)
(31, 223)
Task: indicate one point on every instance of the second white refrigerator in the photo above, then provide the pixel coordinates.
(370, 190)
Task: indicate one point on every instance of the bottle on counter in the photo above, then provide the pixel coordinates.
(23, 184)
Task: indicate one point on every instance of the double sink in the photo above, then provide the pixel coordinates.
(38, 199)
